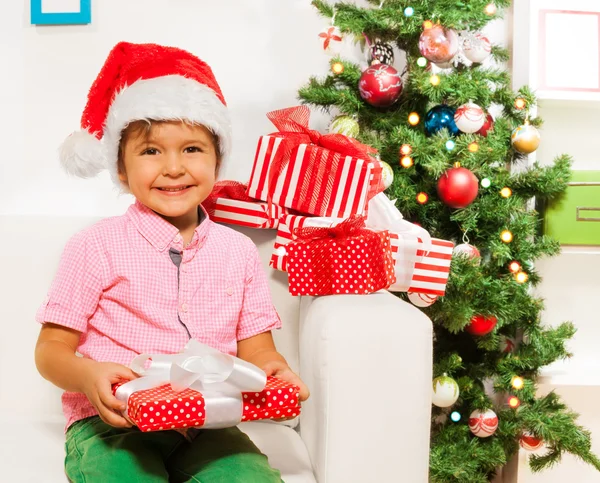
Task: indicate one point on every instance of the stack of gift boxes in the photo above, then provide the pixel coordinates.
(337, 232)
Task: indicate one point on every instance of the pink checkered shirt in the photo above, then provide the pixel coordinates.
(118, 285)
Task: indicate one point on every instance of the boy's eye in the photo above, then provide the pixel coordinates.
(150, 151)
(193, 149)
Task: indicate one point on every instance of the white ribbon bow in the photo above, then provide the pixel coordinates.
(221, 378)
(383, 215)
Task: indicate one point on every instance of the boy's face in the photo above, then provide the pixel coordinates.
(172, 170)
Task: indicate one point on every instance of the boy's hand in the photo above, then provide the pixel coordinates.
(97, 386)
(282, 371)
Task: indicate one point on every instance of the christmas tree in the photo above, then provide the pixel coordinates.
(463, 175)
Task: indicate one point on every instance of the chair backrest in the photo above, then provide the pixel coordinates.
(30, 249)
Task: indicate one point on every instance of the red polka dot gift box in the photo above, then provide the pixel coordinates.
(162, 408)
(345, 258)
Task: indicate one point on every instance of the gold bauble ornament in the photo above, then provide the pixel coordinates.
(525, 139)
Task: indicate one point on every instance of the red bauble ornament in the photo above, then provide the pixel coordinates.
(481, 325)
(458, 187)
(380, 85)
(530, 442)
(487, 125)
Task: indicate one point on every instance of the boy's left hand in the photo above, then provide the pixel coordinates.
(282, 371)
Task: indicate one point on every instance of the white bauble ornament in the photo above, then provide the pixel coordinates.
(476, 47)
(469, 118)
(530, 443)
(445, 391)
(331, 40)
(346, 125)
(387, 174)
(421, 299)
(469, 251)
(483, 423)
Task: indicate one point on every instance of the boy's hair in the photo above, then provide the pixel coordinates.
(144, 128)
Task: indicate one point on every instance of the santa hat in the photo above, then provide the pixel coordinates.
(143, 81)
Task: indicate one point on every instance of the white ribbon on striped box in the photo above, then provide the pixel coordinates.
(340, 193)
(288, 223)
(246, 213)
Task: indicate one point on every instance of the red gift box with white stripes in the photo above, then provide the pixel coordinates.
(246, 213)
(162, 408)
(316, 181)
(432, 268)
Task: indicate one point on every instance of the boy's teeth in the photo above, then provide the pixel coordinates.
(173, 189)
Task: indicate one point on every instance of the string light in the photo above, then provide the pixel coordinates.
(506, 192)
(506, 236)
(450, 145)
(422, 198)
(409, 11)
(490, 9)
(455, 416)
(514, 402)
(406, 161)
(427, 24)
(521, 277)
(514, 267)
(413, 119)
(474, 147)
(337, 67)
(405, 149)
(421, 61)
(435, 80)
(486, 183)
(520, 103)
(517, 382)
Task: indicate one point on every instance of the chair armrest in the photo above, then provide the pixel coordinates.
(368, 363)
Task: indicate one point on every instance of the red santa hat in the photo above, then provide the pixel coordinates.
(137, 82)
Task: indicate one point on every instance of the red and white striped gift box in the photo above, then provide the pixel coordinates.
(246, 213)
(287, 224)
(316, 180)
(432, 269)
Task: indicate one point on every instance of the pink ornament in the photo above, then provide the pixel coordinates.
(530, 443)
(421, 299)
(331, 38)
(467, 250)
(438, 44)
(380, 85)
(469, 118)
(476, 47)
(483, 424)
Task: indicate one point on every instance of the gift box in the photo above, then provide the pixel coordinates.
(432, 268)
(343, 259)
(229, 203)
(287, 224)
(322, 175)
(203, 391)
(421, 263)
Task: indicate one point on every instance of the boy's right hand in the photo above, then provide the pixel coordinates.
(97, 386)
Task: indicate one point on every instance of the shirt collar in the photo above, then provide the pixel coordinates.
(158, 231)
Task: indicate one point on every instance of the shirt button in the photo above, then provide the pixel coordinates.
(229, 291)
(184, 308)
(177, 238)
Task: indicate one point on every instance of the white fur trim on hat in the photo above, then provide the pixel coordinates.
(167, 98)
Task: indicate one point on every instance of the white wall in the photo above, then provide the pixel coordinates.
(261, 52)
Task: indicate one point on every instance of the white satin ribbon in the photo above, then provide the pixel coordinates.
(221, 378)
(383, 215)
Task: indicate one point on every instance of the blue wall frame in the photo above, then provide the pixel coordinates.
(84, 16)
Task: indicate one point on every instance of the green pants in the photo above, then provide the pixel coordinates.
(99, 453)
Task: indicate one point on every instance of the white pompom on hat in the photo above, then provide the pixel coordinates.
(142, 82)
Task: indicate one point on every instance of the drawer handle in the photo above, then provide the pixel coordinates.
(586, 218)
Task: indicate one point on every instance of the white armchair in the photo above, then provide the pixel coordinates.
(366, 359)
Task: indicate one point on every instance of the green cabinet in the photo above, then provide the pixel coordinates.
(575, 219)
